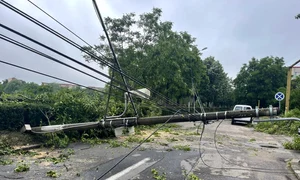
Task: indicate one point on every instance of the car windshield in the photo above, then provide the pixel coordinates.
(238, 108)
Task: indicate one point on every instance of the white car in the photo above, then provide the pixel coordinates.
(241, 108)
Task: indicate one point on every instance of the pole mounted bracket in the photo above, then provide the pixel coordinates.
(257, 111)
(271, 111)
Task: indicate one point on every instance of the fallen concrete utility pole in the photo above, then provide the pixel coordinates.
(134, 121)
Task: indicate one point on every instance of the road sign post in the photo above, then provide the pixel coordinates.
(279, 96)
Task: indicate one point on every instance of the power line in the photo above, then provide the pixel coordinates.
(115, 58)
(196, 163)
(72, 32)
(233, 168)
(67, 40)
(216, 147)
(62, 54)
(17, 43)
(63, 80)
(78, 46)
(68, 29)
(263, 170)
(51, 58)
(50, 76)
(106, 172)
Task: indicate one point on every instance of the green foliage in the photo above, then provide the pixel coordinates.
(14, 115)
(65, 155)
(13, 86)
(183, 147)
(219, 90)
(260, 80)
(149, 50)
(58, 140)
(114, 143)
(5, 148)
(252, 140)
(295, 144)
(293, 113)
(52, 174)
(157, 176)
(148, 108)
(193, 177)
(295, 94)
(172, 139)
(134, 139)
(53, 107)
(22, 167)
(283, 127)
(4, 162)
(93, 136)
(72, 106)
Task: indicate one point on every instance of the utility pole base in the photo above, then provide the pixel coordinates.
(124, 131)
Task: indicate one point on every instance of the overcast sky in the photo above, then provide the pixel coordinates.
(234, 31)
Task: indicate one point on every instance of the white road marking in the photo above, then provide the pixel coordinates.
(127, 170)
(136, 155)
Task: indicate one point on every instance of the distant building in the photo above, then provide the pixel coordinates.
(97, 88)
(14, 79)
(11, 79)
(70, 86)
(295, 72)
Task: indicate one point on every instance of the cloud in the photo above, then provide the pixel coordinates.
(234, 31)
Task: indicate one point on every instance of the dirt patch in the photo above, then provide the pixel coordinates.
(17, 138)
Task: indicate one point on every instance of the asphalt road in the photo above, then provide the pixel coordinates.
(243, 154)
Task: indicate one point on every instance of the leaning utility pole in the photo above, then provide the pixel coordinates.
(288, 87)
(135, 121)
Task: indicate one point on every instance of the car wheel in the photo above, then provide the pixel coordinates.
(232, 121)
(251, 120)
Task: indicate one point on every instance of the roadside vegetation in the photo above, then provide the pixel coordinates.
(289, 128)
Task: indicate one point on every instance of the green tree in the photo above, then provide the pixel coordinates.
(1, 88)
(219, 90)
(260, 80)
(149, 50)
(295, 93)
(29, 89)
(13, 86)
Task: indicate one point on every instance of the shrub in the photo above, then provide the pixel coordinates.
(282, 127)
(295, 144)
(14, 115)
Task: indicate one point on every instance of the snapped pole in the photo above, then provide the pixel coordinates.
(134, 121)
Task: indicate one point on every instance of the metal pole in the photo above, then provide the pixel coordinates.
(134, 121)
(288, 90)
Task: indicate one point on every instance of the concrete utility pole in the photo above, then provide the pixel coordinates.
(288, 87)
(134, 121)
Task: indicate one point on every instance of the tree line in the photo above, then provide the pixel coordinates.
(170, 62)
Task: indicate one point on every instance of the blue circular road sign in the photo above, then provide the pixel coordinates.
(279, 96)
